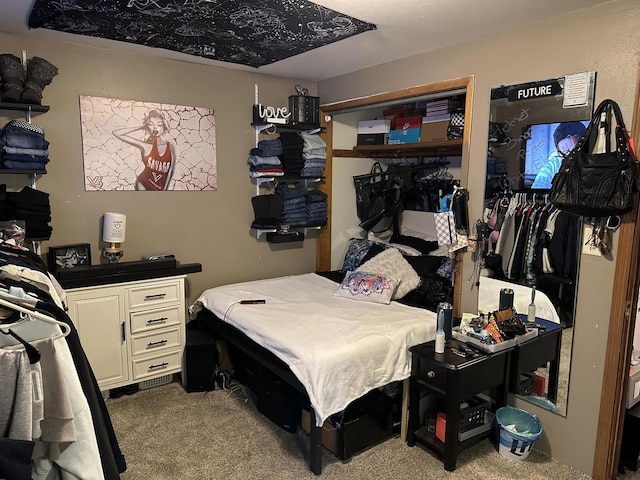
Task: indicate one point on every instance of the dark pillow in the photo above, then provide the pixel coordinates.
(425, 264)
(423, 246)
(357, 248)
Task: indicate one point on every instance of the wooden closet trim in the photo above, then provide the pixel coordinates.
(323, 244)
(620, 334)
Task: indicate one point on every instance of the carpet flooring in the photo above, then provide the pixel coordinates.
(166, 433)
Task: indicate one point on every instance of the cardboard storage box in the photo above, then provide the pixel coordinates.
(434, 131)
(372, 138)
(366, 422)
(406, 123)
(410, 135)
(374, 126)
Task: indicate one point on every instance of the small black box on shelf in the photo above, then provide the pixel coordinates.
(285, 237)
(372, 138)
(305, 110)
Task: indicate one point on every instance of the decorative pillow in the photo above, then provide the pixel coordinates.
(367, 287)
(357, 249)
(392, 263)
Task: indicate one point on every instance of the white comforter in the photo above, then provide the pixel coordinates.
(338, 348)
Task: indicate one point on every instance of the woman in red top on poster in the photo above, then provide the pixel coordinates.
(158, 167)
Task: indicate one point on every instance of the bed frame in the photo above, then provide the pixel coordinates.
(223, 331)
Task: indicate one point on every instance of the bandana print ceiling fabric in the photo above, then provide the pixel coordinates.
(246, 32)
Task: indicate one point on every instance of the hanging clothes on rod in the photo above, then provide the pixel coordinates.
(525, 242)
(81, 443)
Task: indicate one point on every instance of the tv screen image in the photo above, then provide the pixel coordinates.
(541, 156)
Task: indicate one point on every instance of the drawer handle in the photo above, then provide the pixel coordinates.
(159, 365)
(154, 297)
(157, 320)
(431, 374)
(156, 344)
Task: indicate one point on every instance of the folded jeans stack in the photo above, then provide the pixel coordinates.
(263, 160)
(316, 208)
(24, 146)
(294, 211)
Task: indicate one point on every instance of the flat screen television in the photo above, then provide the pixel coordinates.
(538, 147)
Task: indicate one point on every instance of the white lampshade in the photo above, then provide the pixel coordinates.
(113, 227)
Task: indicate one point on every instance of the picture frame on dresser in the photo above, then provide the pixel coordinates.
(69, 256)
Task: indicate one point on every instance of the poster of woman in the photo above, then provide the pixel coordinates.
(131, 145)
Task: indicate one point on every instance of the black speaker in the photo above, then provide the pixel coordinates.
(200, 360)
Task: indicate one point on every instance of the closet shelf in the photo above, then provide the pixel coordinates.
(306, 180)
(420, 149)
(14, 171)
(287, 127)
(23, 107)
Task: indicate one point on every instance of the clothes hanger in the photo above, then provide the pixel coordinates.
(48, 327)
(32, 352)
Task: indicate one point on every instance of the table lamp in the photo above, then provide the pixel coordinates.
(113, 231)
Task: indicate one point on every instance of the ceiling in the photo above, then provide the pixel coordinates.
(404, 28)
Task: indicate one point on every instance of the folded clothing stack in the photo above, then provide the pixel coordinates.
(24, 146)
(29, 205)
(263, 160)
(291, 156)
(314, 153)
(294, 211)
(316, 208)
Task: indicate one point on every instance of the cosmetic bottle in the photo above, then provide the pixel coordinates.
(531, 311)
(440, 333)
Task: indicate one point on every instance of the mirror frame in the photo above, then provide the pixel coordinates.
(575, 92)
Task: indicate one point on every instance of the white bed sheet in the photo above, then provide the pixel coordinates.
(338, 348)
(489, 299)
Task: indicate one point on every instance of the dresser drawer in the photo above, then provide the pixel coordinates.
(157, 365)
(159, 340)
(154, 294)
(147, 320)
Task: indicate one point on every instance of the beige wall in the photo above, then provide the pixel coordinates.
(605, 39)
(213, 227)
(209, 227)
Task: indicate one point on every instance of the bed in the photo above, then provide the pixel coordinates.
(332, 347)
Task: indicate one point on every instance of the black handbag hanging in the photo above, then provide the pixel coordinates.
(598, 184)
(371, 192)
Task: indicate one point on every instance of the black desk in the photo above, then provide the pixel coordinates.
(455, 379)
(543, 349)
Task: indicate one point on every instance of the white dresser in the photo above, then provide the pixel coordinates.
(131, 331)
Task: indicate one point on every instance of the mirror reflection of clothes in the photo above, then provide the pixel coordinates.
(156, 167)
